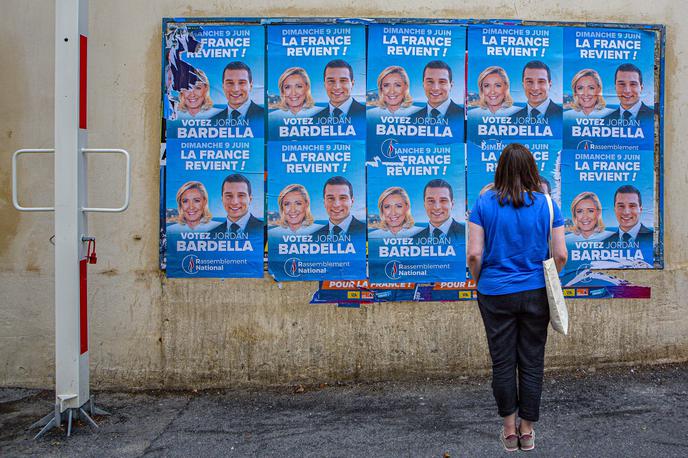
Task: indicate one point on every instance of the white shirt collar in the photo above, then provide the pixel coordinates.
(633, 110)
(633, 232)
(243, 221)
(542, 108)
(344, 106)
(243, 109)
(444, 227)
(444, 106)
(344, 224)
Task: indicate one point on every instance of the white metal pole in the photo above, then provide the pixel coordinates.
(71, 342)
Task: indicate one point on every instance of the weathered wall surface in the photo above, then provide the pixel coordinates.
(147, 331)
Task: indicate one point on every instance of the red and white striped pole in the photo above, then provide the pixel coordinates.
(72, 242)
(71, 332)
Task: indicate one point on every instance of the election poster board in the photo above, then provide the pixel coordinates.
(608, 159)
(394, 113)
(316, 152)
(214, 108)
(416, 153)
(514, 96)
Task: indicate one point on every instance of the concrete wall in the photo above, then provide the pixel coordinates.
(147, 331)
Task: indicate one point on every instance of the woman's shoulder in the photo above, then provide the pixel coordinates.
(603, 112)
(203, 227)
(407, 111)
(573, 114)
(210, 225)
(376, 111)
(307, 112)
(379, 234)
(603, 235)
(176, 228)
(386, 234)
(309, 229)
(278, 113)
(277, 231)
(204, 114)
(477, 111)
(410, 232)
(508, 111)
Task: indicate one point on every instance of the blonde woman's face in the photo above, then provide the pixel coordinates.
(394, 209)
(294, 92)
(586, 93)
(193, 203)
(494, 90)
(294, 208)
(195, 96)
(393, 89)
(586, 215)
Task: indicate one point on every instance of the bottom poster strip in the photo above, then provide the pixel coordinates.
(354, 293)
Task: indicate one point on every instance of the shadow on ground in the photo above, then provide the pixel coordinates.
(603, 413)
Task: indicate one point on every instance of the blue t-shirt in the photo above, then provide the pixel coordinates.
(515, 243)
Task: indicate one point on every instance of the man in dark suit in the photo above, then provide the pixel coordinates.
(628, 209)
(339, 80)
(237, 84)
(537, 81)
(236, 198)
(628, 81)
(437, 84)
(438, 199)
(338, 195)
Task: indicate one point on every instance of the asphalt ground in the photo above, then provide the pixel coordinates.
(620, 412)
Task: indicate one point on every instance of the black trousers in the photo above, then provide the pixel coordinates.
(516, 328)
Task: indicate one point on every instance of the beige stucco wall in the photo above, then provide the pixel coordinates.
(147, 331)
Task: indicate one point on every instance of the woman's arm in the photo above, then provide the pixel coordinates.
(474, 251)
(560, 254)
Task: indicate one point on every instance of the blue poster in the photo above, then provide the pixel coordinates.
(514, 82)
(608, 205)
(215, 150)
(608, 158)
(415, 84)
(483, 157)
(316, 82)
(609, 88)
(316, 152)
(416, 214)
(316, 211)
(514, 95)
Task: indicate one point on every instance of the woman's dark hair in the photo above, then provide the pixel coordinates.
(516, 173)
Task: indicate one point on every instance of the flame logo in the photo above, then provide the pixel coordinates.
(191, 264)
(584, 145)
(291, 267)
(392, 270)
(388, 149)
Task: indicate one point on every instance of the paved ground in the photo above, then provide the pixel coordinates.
(610, 413)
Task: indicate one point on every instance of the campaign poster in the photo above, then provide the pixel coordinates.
(214, 103)
(416, 213)
(514, 82)
(316, 210)
(514, 95)
(416, 84)
(316, 82)
(484, 156)
(609, 89)
(609, 208)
